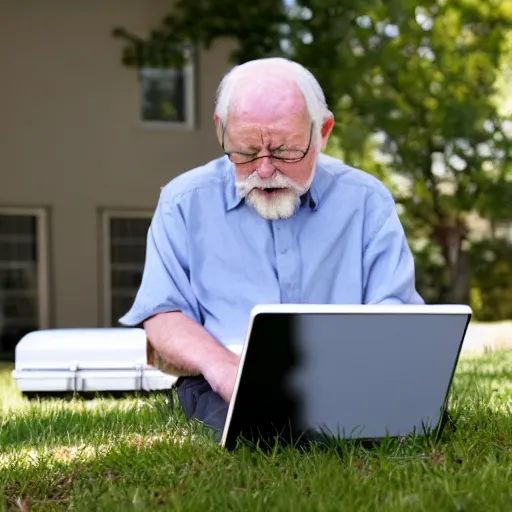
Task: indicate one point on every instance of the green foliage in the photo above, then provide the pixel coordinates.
(256, 27)
(418, 81)
(430, 276)
(491, 283)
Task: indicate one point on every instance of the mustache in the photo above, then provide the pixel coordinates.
(278, 180)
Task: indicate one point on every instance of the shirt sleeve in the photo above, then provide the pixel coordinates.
(165, 284)
(389, 269)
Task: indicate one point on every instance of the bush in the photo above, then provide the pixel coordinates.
(491, 277)
(491, 280)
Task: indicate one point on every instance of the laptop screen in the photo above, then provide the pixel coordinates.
(350, 375)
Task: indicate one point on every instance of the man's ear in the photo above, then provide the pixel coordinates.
(326, 131)
(218, 127)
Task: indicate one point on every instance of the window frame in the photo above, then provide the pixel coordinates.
(43, 268)
(106, 215)
(189, 71)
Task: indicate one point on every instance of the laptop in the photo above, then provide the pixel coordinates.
(362, 372)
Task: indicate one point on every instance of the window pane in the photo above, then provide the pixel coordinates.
(17, 224)
(119, 307)
(18, 306)
(163, 95)
(19, 289)
(18, 278)
(127, 257)
(17, 250)
(129, 253)
(129, 227)
(122, 279)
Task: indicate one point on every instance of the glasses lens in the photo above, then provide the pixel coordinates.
(288, 157)
(237, 158)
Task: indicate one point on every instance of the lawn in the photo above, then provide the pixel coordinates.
(139, 454)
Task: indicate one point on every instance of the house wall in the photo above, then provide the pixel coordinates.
(70, 138)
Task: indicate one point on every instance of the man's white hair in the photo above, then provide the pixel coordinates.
(308, 85)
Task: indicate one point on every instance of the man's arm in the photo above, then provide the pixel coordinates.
(168, 308)
(389, 270)
(188, 349)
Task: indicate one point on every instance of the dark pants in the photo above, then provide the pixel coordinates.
(200, 402)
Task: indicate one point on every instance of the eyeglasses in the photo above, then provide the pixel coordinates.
(290, 156)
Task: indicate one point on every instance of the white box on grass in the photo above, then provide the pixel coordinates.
(86, 361)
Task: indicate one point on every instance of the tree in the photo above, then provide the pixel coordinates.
(419, 75)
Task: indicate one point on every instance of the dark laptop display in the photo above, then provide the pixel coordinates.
(364, 375)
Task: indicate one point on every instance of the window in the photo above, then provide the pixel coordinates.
(167, 97)
(124, 255)
(23, 275)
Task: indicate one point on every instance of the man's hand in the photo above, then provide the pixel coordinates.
(183, 347)
(221, 375)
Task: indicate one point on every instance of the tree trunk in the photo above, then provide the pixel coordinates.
(458, 273)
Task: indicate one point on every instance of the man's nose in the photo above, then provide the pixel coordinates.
(266, 169)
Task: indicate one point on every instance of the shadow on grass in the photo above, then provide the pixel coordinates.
(185, 469)
(157, 464)
(154, 461)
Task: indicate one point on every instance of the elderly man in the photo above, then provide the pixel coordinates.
(273, 221)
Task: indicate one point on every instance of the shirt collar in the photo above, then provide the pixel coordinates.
(312, 198)
(232, 197)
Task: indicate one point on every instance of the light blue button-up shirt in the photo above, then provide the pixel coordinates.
(212, 257)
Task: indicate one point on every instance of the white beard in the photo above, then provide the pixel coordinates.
(280, 205)
(272, 206)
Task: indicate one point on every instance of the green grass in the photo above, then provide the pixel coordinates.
(139, 454)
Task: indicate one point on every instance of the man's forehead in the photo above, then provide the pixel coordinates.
(266, 101)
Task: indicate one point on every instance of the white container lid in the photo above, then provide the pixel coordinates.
(96, 348)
